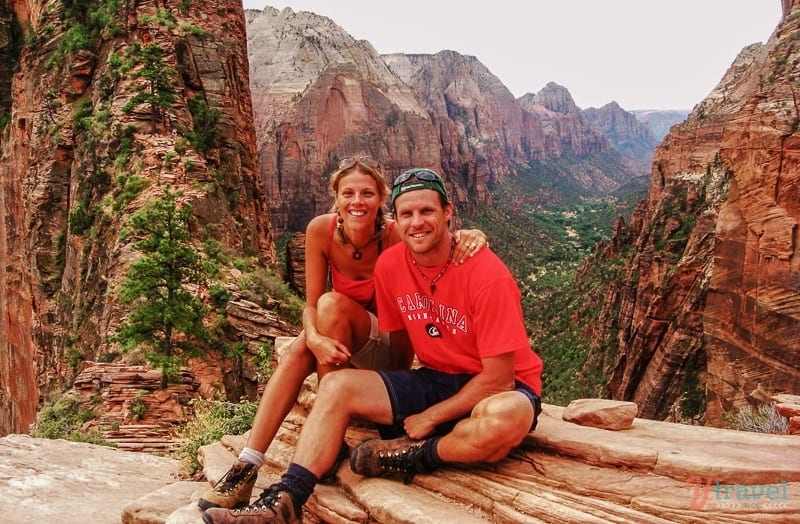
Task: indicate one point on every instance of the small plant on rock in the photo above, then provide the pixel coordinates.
(764, 419)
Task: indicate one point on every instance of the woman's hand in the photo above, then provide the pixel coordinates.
(328, 351)
(468, 243)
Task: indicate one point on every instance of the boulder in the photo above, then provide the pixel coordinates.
(601, 413)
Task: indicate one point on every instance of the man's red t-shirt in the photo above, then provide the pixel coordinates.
(473, 313)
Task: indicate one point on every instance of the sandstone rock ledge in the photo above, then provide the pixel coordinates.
(652, 472)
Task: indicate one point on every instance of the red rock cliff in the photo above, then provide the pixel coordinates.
(710, 302)
(318, 96)
(67, 152)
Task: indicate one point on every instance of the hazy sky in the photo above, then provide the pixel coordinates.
(643, 54)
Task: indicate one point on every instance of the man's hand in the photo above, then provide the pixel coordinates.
(419, 426)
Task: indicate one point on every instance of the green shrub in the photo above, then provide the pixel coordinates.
(162, 18)
(263, 360)
(63, 418)
(219, 295)
(213, 420)
(81, 118)
(205, 120)
(73, 357)
(188, 28)
(128, 188)
(139, 406)
(261, 286)
(79, 220)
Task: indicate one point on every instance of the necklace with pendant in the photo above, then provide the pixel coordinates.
(357, 254)
(435, 279)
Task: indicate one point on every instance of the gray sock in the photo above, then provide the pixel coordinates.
(252, 456)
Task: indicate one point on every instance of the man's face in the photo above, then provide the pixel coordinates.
(423, 222)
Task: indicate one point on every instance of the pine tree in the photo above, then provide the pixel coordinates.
(165, 318)
(157, 90)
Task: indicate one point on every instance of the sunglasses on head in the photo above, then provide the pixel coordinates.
(420, 174)
(349, 161)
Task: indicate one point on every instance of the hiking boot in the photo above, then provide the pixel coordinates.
(274, 506)
(376, 457)
(233, 489)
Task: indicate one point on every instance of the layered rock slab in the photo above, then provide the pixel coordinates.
(47, 481)
(563, 472)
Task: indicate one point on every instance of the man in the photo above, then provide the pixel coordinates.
(476, 395)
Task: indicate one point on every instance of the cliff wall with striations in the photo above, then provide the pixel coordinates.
(708, 306)
(319, 95)
(623, 129)
(79, 156)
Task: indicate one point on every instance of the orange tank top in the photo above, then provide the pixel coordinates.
(362, 291)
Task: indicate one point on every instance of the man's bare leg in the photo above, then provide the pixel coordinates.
(497, 425)
(342, 395)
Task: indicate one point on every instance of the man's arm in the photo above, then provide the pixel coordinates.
(402, 352)
(497, 376)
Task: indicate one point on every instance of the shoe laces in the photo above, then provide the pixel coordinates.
(406, 460)
(232, 478)
(268, 499)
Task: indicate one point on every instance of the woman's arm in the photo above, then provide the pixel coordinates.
(316, 261)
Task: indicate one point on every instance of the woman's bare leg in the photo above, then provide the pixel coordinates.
(280, 393)
(341, 318)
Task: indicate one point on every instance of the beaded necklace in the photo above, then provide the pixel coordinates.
(435, 279)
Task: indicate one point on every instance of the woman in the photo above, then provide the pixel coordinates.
(343, 246)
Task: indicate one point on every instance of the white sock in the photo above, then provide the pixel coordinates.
(252, 456)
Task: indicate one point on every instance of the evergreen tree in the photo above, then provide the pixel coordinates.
(157, 88)
(165, 318)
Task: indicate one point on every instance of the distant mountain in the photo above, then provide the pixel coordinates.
(660, 120)
(318, 95)
(626, 133)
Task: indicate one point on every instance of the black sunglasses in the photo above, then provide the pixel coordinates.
(349, 161)
(421, 174)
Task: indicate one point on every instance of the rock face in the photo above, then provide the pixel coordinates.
(76, 162)
(598, 413)
(320, 95)
(709, 304)
(136, 414)
(624, 130)
(660, 121)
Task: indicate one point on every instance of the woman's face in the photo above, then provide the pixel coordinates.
(358, 199)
